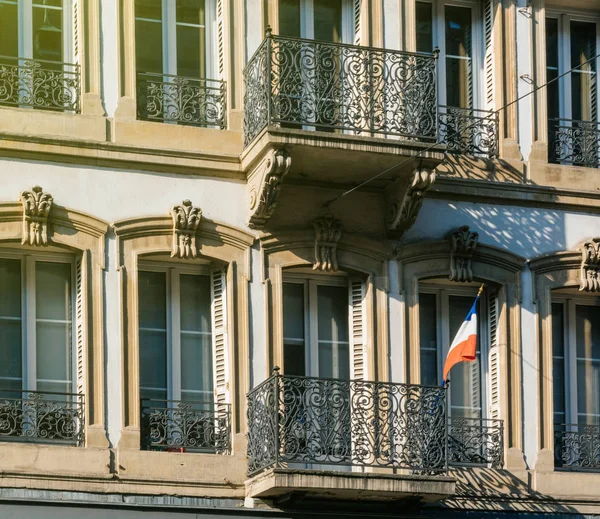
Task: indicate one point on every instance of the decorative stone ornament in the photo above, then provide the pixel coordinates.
(186, 219)
(590, 266)
(404, 200)
(36, 207)
(328, 231)
(264, 186)
(463, 242)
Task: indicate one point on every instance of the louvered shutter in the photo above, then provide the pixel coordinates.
(488, 26)
(76, 35)
(357, 304)
(357, 24)
(219, 333)
(494, 357)
(220, 39)
(80, 323)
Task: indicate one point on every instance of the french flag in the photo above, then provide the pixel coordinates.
(464, 345)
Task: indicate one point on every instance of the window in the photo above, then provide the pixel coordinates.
(323, 20)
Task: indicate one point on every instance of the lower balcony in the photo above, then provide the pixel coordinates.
(575, 143)
(33, 416)
(476, 442)
(176, 426)
(466, 131)
(577, 447)
(347, 439)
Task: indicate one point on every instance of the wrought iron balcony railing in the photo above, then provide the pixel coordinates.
(577, 447)
(575, 143)
(331, 86)
(469, 131)
(42, 417)
(476, 441)
(186, 426)
(346, 423)
(49, 85)
(181, 100)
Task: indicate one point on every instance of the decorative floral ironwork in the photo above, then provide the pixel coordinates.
(577, 447)
(574, 142)
(469, 131)
(476, 441)
(42, 417)
(292, 81)
(346, 422)
(196, 426)
(184, 100)
(42, 84)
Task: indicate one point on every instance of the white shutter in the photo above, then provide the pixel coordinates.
(357, 319)
(220, 39)
(76, 36)
(80, 323)
(488, 27)
(219, 333)
(357, 25)
(494, 357)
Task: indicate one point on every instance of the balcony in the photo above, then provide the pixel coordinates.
(181, 100)
(575, 143)
(177, 426)
(469, 131)
(40, 84)
(577, 447)
(32, 416)
(349, 439)
(476, 442)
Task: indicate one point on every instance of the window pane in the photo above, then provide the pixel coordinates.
(328, 20)
(552, 67)
(588, 364)
(9, 30)
(150, 9)
(10, 324)
(190, 11)
(458, 57)
(583, 82)
(53, 326)
(424, 17)
(190, 52)
(196, 338)
(293, 329)
(558, 362)
(148, 36)
(334, 358)
(588, 332)
(47, 34)
(428, 339)
(289, 18)
(153, 334)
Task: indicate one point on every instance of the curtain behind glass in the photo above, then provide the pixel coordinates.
(334, 354)
(424, 18)
(428, 339)
(10, 326)
(53, 310)
(148, 36)
(558, 362)
(583, 79)
(459, 81)
(588, 364)
(9, 29)
(191, 38)
(294, 352)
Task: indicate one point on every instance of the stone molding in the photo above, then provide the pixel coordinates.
(186, 219)
(36, 207)
(463, 242)
(590, 266)
(404, 198)
(328, 231)
(264, 186)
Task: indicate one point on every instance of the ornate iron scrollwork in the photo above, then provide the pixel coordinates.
(577, 447)
(574, 142)
(469, 131)
(476, 441)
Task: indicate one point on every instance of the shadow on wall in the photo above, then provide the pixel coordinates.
(499, 490)
(474, 168)
(525, 231)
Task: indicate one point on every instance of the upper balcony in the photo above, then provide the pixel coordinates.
(575, 143)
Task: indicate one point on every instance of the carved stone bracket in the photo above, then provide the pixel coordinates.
(264, 184)
(186, 219)
(590, 266)
(328, 231)
(463, 242)
(404, 198)
(36, 207)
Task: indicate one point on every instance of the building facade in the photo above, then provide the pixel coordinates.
(266, 220)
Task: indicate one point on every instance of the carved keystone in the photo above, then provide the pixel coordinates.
(590, 266)
(264, 187)
(462, 247)
(36, 207)
(186, 219)
(404, 199)
(328, 231)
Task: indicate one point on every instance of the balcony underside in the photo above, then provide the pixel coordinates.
(281, 484)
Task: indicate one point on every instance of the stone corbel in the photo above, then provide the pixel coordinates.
(264, 185)
(404, 198)
(328, 231)
(590, 266)
(463, 242)
(36, 207)
(186, 219)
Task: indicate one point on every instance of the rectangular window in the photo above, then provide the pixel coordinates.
(552, 67)
(583, 79)
(424, 17)
(558, 362)
(459, 54)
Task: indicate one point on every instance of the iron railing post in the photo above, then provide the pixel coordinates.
(269, 84)
(276, 390)
(436, 56)
(446, 428)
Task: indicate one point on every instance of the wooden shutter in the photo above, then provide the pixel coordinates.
(488, 27)
(357, 319)
(219, 333)
(494, 357)
(80, 323)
